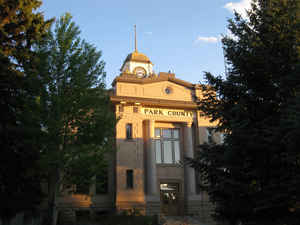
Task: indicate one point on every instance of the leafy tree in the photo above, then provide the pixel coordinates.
(20, 26)
(76, 114)
(254, 176)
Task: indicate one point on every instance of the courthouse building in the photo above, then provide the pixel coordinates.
(158, 126)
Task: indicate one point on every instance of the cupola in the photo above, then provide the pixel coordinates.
(137, 63)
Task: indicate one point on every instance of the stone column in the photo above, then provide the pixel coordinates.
(189, 172)
(153, 198)
(151, 161)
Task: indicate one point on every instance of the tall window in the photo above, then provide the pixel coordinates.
(121, 108)
(102, 182)
(167, 145)
(128, 131)
(135, 109)
(129, 179)
(209, 134)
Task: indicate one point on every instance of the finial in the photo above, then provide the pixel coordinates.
(135, 43)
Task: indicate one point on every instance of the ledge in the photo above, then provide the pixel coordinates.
(154, 102)
(132, 78)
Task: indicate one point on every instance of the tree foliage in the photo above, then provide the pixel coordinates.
(20, 26)
(254, 176)
(76, 114)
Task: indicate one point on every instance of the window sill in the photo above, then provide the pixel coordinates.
(168, 164)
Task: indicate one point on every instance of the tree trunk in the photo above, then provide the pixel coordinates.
(53, 185)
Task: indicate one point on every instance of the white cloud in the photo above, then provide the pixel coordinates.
(239, 7)
(207, 39)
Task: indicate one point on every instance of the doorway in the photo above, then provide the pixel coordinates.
(169, 198)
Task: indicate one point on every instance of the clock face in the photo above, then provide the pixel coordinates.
(140, 72)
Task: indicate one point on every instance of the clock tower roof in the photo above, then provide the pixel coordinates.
(137, 57)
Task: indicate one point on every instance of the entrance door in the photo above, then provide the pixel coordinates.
(169, 193)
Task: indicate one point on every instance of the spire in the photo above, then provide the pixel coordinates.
(135, 43)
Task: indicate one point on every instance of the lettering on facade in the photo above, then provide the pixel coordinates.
(166, 112)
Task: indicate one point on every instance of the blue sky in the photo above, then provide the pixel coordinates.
(181, 36)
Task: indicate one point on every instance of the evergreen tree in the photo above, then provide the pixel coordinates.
(20, 26)
(254, 177)
(76, 114)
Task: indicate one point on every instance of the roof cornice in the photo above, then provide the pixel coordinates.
(154, 102)
(131, 78)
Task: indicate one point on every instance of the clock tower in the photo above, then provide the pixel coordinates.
(137, 64)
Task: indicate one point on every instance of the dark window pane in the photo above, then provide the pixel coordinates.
(168, 152)
(157, 132)
(209, 134)
(102, 183)
(176, 133)
(135, 109)
(129, 179)
(158, 151)
(129, 131)
(177, 151)
(166, 133)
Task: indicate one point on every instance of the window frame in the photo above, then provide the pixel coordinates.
(135, 109)
(210, 135)
(101, 183)
(121, 108)
(163, 139)
(128, 135)
(130, 179)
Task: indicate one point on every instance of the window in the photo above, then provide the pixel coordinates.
(102, 183)
(121, 108)
(167, 145)
(129, 179)
(168, 90)
(128, 131)
(209, 134)
(135, 109)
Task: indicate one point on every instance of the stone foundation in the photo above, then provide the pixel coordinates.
(67, 216)
(153, 208)
(135, 208)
